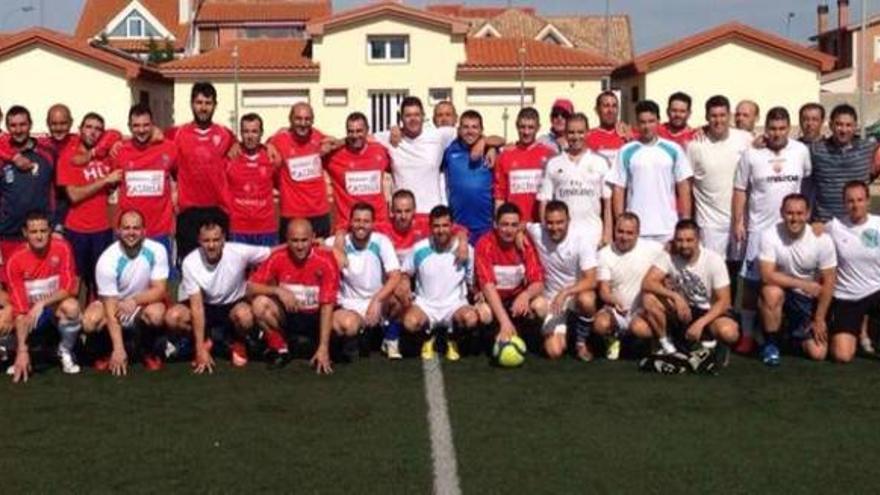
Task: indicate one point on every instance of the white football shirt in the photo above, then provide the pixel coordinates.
(117, 275)
(415, 164)
(714, 164)
(580, 184)
(803, 257)
(858, 257)
(438, 277)
(367, 268)
(696, 281)
(224, 282)
(563, 262)
(624, 272)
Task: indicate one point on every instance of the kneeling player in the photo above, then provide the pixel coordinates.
(690, 286)
(132, 274)
(214, 284)
(42, 283)
(370, 276)
(791, 259)
(295, 290)
(511, 279)
(622, 266)
(569, 259)
(441, 285)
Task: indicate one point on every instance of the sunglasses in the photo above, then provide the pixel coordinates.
(559, 113)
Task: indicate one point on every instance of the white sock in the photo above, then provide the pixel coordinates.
(748, 317)
(666, 344)
(69, 331)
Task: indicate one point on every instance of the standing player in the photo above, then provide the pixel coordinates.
(42, 287)
(301, 185)
(23, 189)
(811, 118)
(746, 116)
(132, 276)
(520, 167)
(357, 173)
(560, 111)
(441, 286)
(251, 177)
(764, 177)
(59, 122)
(577, 178)
(676, 129)
(147, 167)
(621, 268)
(798, 272)
(469, 180)
(214, 279)
(511, 279)
(856, 295)
(690, 287)
(202, 147)
(569, 259)
(651, 178)
(611, 134)
(371, 275)
(714, 157)
(445, 114)
(295, 290)
(87, 225)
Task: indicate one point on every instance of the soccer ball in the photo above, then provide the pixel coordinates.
(509, 354)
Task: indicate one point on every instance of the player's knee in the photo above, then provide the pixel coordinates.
(586, 302)
(413, 321)
(262, 306)
(469, 319)
(68, 310)
(554, 347)
(154, 315)
(602, 325)
(772, 297)
(177, 318)
(640, 329)
(815, 351)
(484, 312)
(539, 306)
(727, 331)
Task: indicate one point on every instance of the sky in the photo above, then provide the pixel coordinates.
(655, 22)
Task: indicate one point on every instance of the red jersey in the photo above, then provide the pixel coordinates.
(201, 161)
(606, 142)
(358, 176)
(90, 214)
(509, 269)
(55, 145)
(518, 174)
(7, 152)
(314, 282)
(682, 137)
(301, 180)
(403, 242)
(32, 278)
(251, 205)
(146, 183)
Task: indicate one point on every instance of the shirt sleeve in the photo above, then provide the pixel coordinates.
(448, 134)
(606, 172)
(103, 146)
(718, 272)
(545, 192)
(767, 248)
(7, 153)
(827, 252)
(105, 278)
(257, 254)
(534, 269)
(388, 255)
(603, 271)
(743, 171)
(329, 289)
(617, 175)
(663, 262)
(500, 185)
(383, 138)
(160, 268)
(586, 253)
(264, 272)
(65, 173)
(483, 263)
(17, 291)
(189, 285)
(469, 274)
(409, 263)
(683, 169)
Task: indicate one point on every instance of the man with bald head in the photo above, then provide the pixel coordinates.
(294, 293)
(746, 115)
(301, 179)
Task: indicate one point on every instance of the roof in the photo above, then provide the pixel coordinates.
(478, 12)
(230, 11)
(129, 67)
(318, 26)
(255, 57)
(493, 55)
(96, 14)
(732, 31)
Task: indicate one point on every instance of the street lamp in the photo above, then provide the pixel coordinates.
(11, 12)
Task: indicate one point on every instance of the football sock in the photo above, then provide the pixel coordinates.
(772, 338)
(666, 344)
(748, 317)
(69, 330)
(275, 341)
(392, 330)
(582, 327)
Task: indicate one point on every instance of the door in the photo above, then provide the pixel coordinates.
(385, 108)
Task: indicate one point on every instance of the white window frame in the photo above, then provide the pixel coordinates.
(133, 20)
(499, 96)
(387, 38)
(335, 97)
(433, 93)
(271, 98)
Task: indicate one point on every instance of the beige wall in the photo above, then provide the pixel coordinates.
(738, 72)
(37, 78)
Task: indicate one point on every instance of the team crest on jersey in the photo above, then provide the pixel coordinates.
(871, 238)
(777, 165)
(54, 261)
(216, 139)
(165, 159)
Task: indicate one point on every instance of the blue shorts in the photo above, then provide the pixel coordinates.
(87, 248)
(268, 239)
(168, 244)
(798, 311)
(751, 271)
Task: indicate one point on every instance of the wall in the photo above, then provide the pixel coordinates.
(80, 85)
(161, 99)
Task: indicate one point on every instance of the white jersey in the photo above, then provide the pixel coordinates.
(715, 164)
(624, 272)
(225, 282)
(580, 185)
(438, 277)
(564, 262)
(117, 275)
(858, 257)
(367, 268)
(696, 281)
(415, 164)
(649, 173)
(768, 177)
(801, 258)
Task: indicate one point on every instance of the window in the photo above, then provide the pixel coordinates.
(135, 27)
(634, 94)
(500, 96)
(876, 48)
(273, 97)
(335, 97)
(388, 49)
(273, 32)
(436, 95)
(208, 39)
(606, 83)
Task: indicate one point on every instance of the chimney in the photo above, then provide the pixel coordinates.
(822, 18)
(842, 14)
(184, 11)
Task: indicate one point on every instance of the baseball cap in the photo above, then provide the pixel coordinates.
(563, 104)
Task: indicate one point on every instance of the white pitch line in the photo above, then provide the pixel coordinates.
(446, 480)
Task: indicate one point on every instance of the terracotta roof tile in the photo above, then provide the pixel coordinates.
(97, 13)
(504, 54)
(589, 31)
(478, 12)
(317, 27)
(262, 10)
(263, 56)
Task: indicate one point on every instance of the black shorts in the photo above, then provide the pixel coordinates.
(306, 325)
(218, 324)
(679, 329)
(188, 222)
(847, 316)
(320, 225)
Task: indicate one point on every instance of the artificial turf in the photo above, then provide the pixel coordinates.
(549, 427)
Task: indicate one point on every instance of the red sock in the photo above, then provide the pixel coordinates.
(275, 341)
